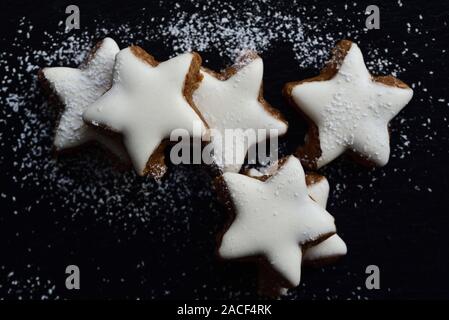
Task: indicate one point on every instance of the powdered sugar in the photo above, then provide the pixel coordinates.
(87, 183)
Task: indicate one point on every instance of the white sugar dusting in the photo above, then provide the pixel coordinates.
(87, 183)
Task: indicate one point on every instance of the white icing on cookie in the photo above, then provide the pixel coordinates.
(255, 173)
(145, 104)
(326, 250)
(274, 219)
(77, 89)
(351, 110)
(333, 246)
(234, 104)
(319, 191)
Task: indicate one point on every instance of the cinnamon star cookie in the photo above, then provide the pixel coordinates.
(348, 109)
(274, 219)
(147, 101)
(233, 100)
(76, 89)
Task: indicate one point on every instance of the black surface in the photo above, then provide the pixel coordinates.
(398, 224)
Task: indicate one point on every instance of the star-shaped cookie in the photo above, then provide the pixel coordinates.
(147, 101)
(233, 100)
(77, 89)
(348, 109)
(274, 219)
(324, 252)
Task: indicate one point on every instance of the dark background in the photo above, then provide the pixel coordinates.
(394, 217)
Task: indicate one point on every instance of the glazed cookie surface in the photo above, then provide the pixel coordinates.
(324, 252)
(348, 109)
(333, 247)
(233, 99)
(76, 89)
(318, 189)
(147, 101)
(274, 219)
